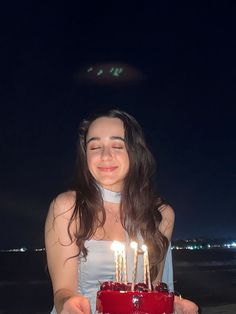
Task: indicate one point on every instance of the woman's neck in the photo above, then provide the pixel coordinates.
(110, 196)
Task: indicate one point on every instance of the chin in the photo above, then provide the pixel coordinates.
(113, 186)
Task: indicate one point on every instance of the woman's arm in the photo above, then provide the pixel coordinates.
(60, 249)
(168, 219)
(181, 306)
(166, 228)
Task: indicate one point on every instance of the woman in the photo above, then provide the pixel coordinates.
(112, 199)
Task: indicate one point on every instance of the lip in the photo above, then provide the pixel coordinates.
(107, 169)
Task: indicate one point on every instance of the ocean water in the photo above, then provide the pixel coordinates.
(207, 277)
(25, 286)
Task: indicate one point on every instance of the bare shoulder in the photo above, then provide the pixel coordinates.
(61, 209)
(63, 204)
(59, 218)
(167, 213)
(168, 219)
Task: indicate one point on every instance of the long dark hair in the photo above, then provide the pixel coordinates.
(139, 204)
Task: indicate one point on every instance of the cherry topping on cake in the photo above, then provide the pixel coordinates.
(128, 286)
(141, 286)
(118, 286)
(113, 285)
(107, 285)
(161, 287)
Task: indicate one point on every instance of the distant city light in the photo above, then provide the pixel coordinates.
(22, 250)
(230, 245)
(190, 244)
(194, 244)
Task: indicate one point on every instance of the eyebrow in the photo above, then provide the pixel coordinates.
(96, 138)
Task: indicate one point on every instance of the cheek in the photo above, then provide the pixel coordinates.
(127, 170)
(126, 164)
(90, 162)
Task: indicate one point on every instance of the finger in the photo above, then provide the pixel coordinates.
(73, 311)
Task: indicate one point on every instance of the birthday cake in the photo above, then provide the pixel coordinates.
(118, 298)
(122, 297)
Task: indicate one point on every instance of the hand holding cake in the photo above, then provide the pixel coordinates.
(77, 304)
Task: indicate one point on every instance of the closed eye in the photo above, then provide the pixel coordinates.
(94, 148)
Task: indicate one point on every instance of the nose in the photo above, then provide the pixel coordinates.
(106, 153)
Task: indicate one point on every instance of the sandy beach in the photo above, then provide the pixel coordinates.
(220, 309)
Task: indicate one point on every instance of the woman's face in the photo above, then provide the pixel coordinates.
(107, 157)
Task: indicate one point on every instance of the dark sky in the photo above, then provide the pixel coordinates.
(185, 104)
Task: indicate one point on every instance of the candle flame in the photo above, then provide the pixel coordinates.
(134, 245)
(117, 246)
(122, 247)
(144, 248)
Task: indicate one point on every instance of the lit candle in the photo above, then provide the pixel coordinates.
(134, 245)
(124, 263)
(147, 267)
(120, 264)
(144, 248)
(115, 247)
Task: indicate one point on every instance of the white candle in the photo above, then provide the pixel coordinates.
(146, 261)
(144, 248)
(115, 247)
(124, 263)
(117, 265)
(134, 245)
(120, 265)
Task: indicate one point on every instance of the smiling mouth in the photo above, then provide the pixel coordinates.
(107, 169)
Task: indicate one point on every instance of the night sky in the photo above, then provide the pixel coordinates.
(184, 100)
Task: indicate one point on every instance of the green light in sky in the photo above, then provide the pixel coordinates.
(100, 72)
(116, 71)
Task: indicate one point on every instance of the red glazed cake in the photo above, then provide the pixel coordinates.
(117, 298)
